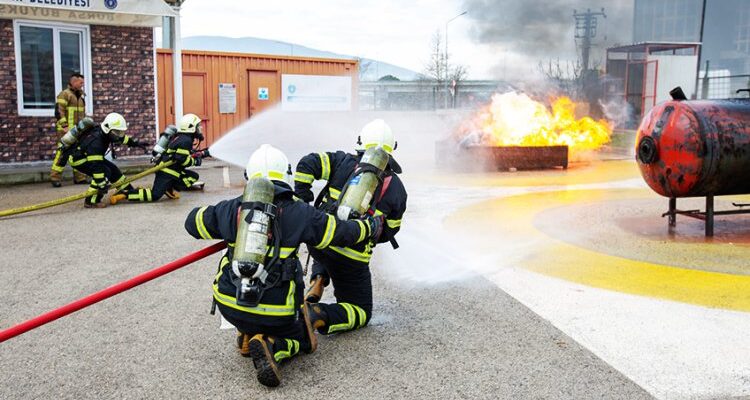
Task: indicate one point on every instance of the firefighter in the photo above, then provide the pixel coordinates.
(69, 110)
(348, 267)
(171, 180)
(274, 329)
(88, 156)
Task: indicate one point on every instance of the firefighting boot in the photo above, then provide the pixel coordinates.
(243, 343)
(315, 293)
(262, 352)
(312, 340)
(117, 197)
(316, 317)
(172, 194)
(197, 186)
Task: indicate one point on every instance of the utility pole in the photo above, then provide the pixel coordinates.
(586, 23)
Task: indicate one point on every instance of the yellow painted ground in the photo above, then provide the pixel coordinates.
(581, 173)
(511, 219)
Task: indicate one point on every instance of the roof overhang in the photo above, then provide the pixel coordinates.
(146, 13)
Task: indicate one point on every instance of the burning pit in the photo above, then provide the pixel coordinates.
(515, 131)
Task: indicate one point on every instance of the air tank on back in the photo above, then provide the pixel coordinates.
(693, 148)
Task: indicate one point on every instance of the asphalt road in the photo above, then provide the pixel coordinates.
(464, 339)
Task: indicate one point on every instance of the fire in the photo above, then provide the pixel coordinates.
(514, 119)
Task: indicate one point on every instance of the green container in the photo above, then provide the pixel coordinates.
(252, 237)
(360, 189)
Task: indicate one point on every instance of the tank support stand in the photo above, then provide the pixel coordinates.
(707, 216)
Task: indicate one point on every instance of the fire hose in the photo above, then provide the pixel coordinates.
(57, 202)
(109, 292)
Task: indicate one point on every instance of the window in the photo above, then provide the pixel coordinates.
(46, 56)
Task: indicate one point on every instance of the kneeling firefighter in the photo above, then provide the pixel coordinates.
(87, 143)
(259, 284)
(365, 182)
(175, 144)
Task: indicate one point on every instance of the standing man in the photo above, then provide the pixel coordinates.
(71, 108)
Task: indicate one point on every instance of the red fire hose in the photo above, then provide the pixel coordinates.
(109, 292)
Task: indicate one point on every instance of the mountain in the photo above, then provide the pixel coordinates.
(370, 70)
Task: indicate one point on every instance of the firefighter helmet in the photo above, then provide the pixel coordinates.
(376, 133)
(114, 123)
(189, 123)
(269, 162)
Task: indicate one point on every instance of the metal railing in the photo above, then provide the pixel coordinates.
(722, 86)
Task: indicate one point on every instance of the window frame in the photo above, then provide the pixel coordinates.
(60, 81)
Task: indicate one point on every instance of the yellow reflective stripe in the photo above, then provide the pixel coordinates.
(98, 175)
(303, 177)
(200, 225)
(325, 165)
(362, 315)
(71, 114)
(224, 261)
(275, 175)
(282, 354)
(328, 235)
(285, 251)
(334, 193)
(362, 231)
(57, 168)
(393, 223)
(62, 101)
(349, 324)
(95, 158)
(385, 147)
(171, 172)
(262, 309)
(378, 212)
(181, 151)
(126, 139)
(76, 163)
(187, 161)
(79, 108)
(353, 254)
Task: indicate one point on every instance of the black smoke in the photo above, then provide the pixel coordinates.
(539, 30)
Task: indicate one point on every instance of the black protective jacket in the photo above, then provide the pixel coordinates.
(337, 168)
(179, 150)
(299, 223)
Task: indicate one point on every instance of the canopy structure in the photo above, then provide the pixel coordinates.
(145, 13)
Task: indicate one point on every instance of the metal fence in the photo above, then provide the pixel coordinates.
(721, 85)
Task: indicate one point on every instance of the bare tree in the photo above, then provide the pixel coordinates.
(435, 69)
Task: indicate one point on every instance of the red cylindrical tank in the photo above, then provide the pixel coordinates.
(696, 148)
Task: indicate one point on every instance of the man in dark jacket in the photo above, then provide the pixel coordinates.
(88, 156)
(348, 267)
(171, 180)
(274, 328)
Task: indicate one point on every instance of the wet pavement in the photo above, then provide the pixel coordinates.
(559, 284)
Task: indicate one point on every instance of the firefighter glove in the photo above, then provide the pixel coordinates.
(375, 223)
(305, 194)
(197, 161)
(204, 153)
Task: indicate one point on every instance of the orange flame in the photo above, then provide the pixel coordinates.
(514, 119)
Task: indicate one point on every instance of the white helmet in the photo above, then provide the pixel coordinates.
(189, 124)
(116, 122)
(269, 162)
(376, 133)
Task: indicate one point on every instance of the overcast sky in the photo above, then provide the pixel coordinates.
(496, 39)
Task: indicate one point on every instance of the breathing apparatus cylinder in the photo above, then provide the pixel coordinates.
(71, 137)
(359, 191)
(163, 141)
(251, 244)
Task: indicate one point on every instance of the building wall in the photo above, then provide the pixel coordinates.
(123, 81)
(213, 68)
(726, 32)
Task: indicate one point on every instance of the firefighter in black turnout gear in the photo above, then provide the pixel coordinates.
(87, 154)
(171, 180)
(263, 296)
(348, 267)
